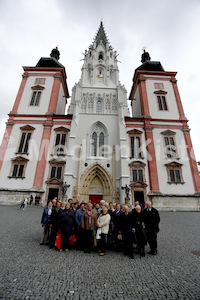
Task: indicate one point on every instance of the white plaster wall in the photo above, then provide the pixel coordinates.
(50, 152)
(166, 188)
(42, 108)
(136, 108)
(172, 112)
(60, 110)
(34, 145)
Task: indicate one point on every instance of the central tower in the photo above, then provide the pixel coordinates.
(98, 106)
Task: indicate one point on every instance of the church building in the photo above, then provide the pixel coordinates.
(98, 150)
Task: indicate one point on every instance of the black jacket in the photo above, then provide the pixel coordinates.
(151, 219)
(55, 216)
(66, 221)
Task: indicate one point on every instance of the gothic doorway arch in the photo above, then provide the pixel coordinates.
(96, 181)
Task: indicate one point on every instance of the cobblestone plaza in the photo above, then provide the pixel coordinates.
(31, 271)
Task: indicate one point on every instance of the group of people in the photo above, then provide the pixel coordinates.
(101, 226)
(25, 201)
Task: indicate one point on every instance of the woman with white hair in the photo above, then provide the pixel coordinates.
(103, 223)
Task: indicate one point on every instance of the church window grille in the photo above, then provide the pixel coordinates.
(40, 81)
(35, 98)
(94, 144)
(83, 104)
(107, 104)
(99, 107)
(24, 142)
(90, 104)
(158, 85)
(162, 104)
(114, 104)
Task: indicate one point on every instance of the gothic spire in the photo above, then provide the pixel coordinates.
(101, 35)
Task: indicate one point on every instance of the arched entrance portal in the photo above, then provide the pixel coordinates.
(96, 184)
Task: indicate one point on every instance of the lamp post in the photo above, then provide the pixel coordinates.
(64, 188)
(127, 189)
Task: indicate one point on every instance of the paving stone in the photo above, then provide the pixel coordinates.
(30, 271)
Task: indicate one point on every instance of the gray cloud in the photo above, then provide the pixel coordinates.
(169, 29)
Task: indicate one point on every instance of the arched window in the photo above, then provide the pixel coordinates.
(101, 144)
(97, 140)
(94, 144)
(99, 107)
(100, 56)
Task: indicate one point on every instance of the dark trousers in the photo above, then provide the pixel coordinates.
(45, 234)
(152, 240)
(88, 238)
(116, 241)
(65, 240)
(127, 242)
(103, 242)
(80, 238)
(54, 230)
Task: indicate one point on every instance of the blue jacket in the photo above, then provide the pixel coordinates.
(45, 217)
(78, 217)
(66, 221)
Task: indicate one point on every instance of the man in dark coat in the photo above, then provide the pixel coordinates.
(151, 220)
(45, 221)
(127, 225)
(54, 223)
(66, 223)
(117, 226)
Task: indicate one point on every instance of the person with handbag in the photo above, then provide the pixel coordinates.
(89, 225)
(151, 221)
(103, 223)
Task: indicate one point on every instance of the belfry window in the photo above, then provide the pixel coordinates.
(100, 56)
(162, 104)
(35, 98)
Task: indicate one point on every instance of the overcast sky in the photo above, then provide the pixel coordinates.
(29, 29)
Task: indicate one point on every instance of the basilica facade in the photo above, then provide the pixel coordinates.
(98, 148)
